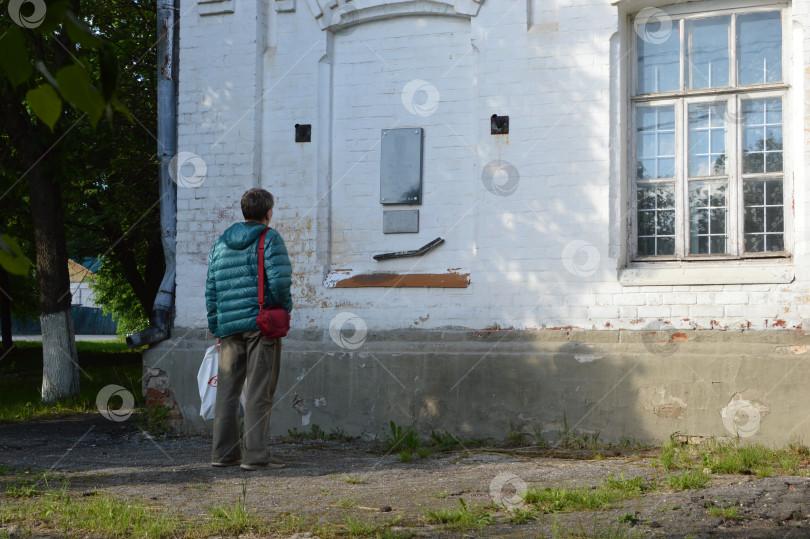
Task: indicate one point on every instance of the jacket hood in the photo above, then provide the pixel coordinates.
(241, 235)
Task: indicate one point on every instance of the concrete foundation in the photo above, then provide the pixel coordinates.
(642, 385)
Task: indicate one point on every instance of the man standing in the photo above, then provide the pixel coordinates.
(231, 296)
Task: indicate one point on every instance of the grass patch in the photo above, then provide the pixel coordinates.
(726, 513)
(354, 480)
(460, 518)
(733, 458)
(515, 438)
(27, 484)
(357, 527)
(405, 442)
(291, 523)
(99, 514)
(561, 500)
(102, 363)
(232, 519)
(520, 516)
(691, 480)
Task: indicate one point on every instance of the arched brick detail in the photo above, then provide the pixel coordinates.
(336, 14)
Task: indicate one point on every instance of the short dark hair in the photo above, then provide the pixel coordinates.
(256, 203)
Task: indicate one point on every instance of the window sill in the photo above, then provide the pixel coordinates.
(706, 273)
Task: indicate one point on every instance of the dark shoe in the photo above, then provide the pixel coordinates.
(272, 464)
(224, 464)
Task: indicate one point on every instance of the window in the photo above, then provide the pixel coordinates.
(708, 113)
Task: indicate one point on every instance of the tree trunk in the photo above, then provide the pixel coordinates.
(5, 310)
(60, 366)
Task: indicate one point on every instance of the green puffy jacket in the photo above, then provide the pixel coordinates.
(232, 287)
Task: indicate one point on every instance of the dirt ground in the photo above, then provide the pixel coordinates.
(330, 480)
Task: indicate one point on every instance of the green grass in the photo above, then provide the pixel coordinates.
(514, 438)
(357, 527)
(691, 480)
(354, 480)
(733, 458)
(100, 514)
(233, 519)
(405, 442)
(291, 523)
(27, 484)
(102, 363)
(603, 496)
(727, 513)
(520, 516)
(460, 518)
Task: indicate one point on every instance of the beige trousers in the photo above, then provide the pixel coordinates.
(241, 355)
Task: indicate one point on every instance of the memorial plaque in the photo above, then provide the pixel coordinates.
(400, 221)
(401, 166)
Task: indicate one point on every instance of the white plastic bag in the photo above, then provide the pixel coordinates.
(207, 383)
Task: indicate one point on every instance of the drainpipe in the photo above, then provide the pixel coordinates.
(160, 320)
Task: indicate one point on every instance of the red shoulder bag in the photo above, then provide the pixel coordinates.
(273, 321)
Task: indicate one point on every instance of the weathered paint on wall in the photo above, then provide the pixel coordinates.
(535, 226)
(536, 217)
(619, 384)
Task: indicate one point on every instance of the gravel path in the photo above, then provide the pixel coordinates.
(328, 481)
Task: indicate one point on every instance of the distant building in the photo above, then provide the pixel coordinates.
(80, 280)
(88, 318)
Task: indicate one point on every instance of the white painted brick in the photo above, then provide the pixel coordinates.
(556, 88)
(715, 311)
(679, 298)
(731, 298)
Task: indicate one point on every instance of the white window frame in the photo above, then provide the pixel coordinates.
(681, 99)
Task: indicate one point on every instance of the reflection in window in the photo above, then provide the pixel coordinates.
(764, 215)
(656, 219)
(759, 48)
(658, 59)
(707, 213)
(762, 135)
(707, 52)
(707, 139)
(715, 141)
(656, 142)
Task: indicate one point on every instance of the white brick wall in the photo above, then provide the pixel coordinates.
(542, 256)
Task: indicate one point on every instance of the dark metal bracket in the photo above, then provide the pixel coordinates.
(417, 252)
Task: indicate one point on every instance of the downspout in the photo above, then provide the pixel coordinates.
(160, 320)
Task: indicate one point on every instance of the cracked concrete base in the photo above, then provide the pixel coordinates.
(643, 385)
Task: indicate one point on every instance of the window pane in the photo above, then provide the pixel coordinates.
(707, 146)
(707, 52)
(775, 243)
(764, 215)
(655, 142)
(707, 217)
(759, 48)
(656, 219)
(658, 56)
(762, 135)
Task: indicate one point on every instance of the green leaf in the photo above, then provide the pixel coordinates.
(120, 107)
(12, 259)
(53, 16)
(14, 60)
(77, 89)
(45, 103)
(80, 33)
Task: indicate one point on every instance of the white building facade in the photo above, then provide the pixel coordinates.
(620, 189)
